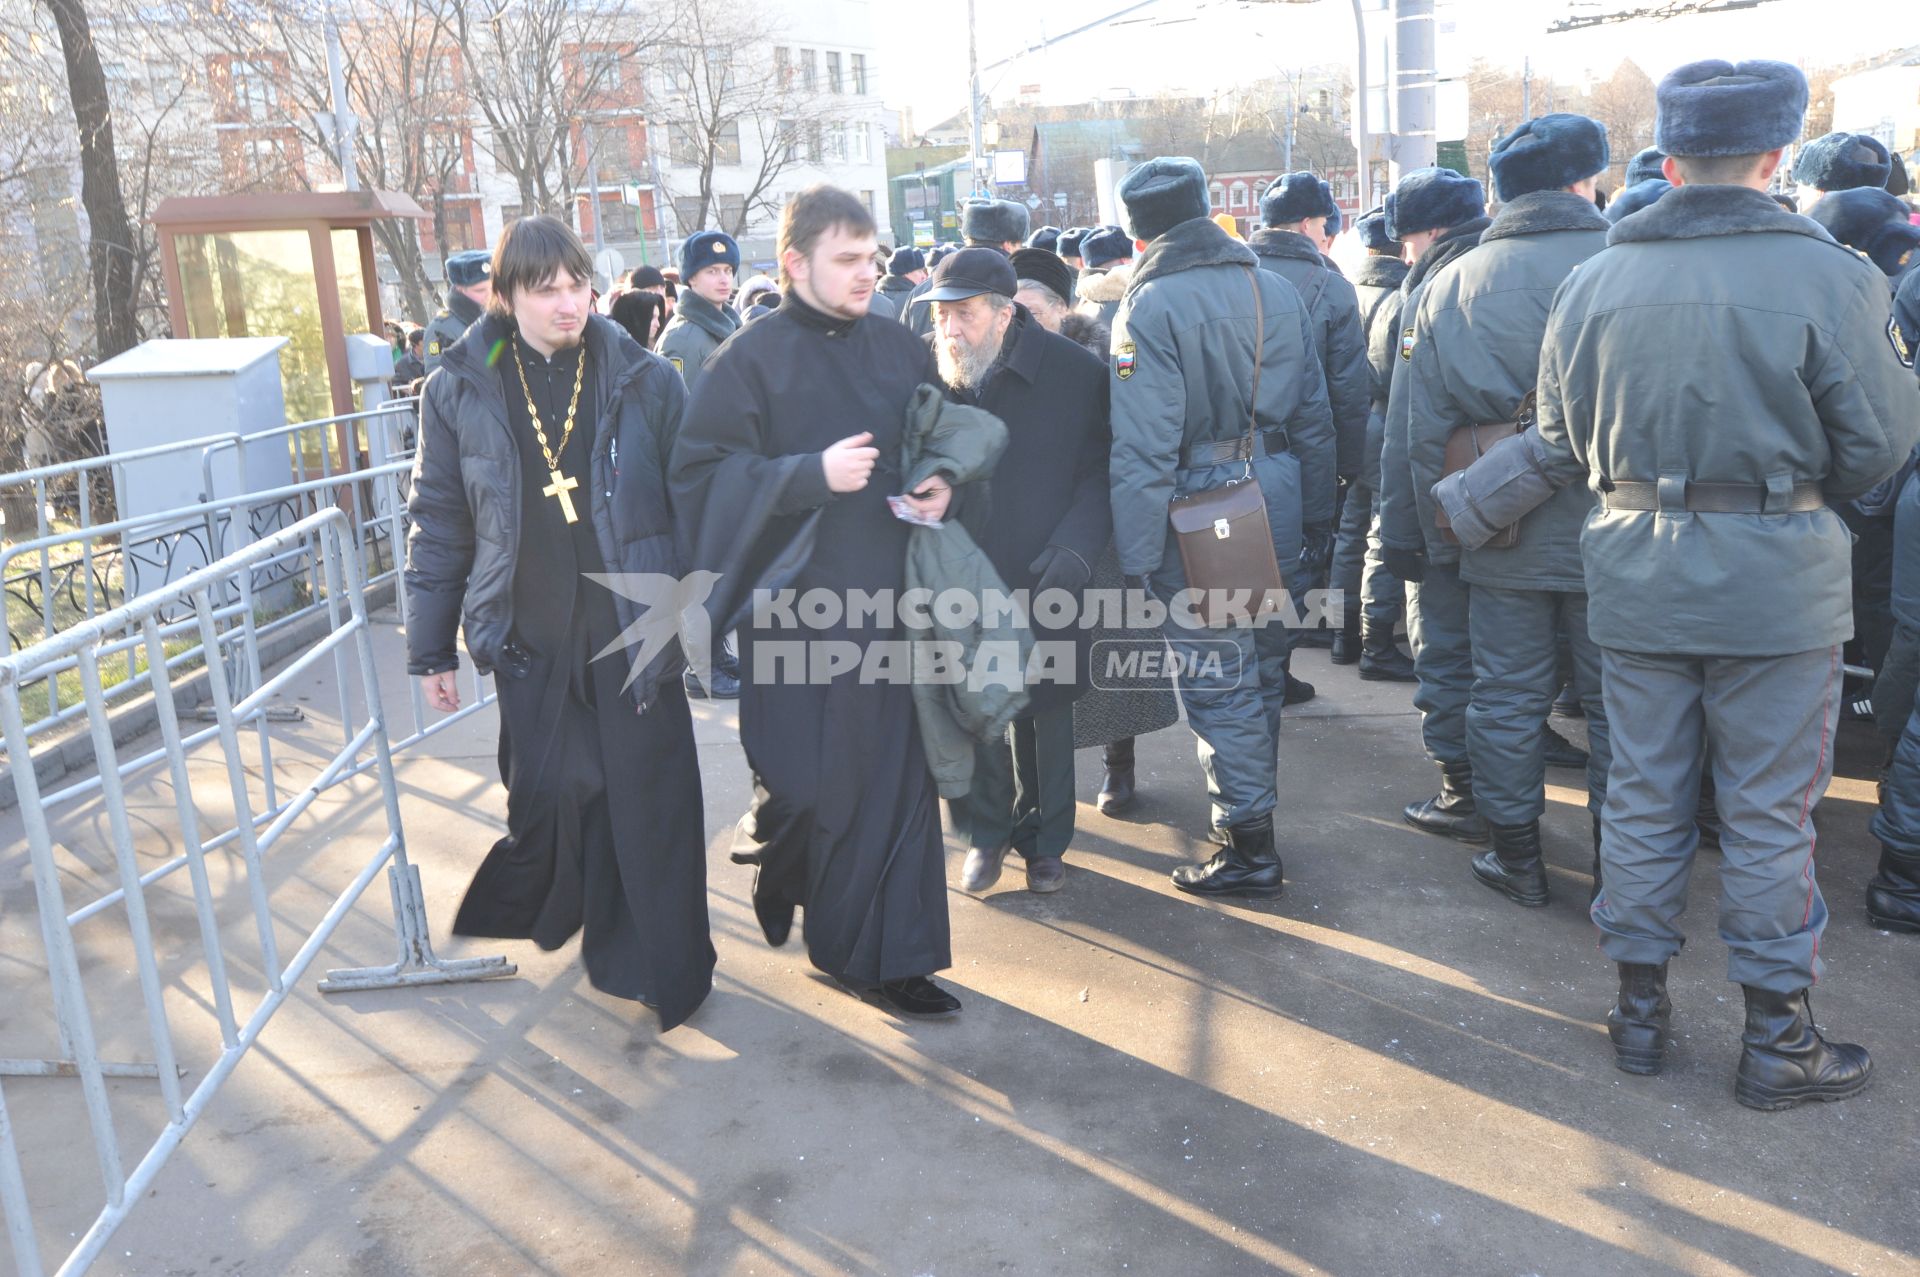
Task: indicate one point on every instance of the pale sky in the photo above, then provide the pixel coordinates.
(1198, 46)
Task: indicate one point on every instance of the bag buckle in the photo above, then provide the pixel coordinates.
(1222, 529)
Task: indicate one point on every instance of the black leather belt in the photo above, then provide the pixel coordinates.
(1265, 444)
(1713, 498)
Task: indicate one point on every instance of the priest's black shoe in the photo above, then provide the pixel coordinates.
(1893, 893)
(1299, 691)
(1513, 866)
(1346, 640)
(1381, 660)
(1784, 1060)
(1562, 752)
(1450, 812)
(917, 998)
(1638, 1022)
(1116, 787)
(1249, 865)
(982, 867)
(775, 915)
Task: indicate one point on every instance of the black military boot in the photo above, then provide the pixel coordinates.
(1784, 1060)
(1567, 703)
(1560, 751)
(1638, 1022)
(1249, 865)
(1116, 787)
(1381, 660)
(1346, 640)
(1450, 812)
(1893, 893)
(1299, 691)
(1514, 867)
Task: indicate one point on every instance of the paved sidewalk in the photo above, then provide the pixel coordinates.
(1389, 1071)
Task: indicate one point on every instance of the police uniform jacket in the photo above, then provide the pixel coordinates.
(1182, 373)
(1389, 352)
(1375, 285)
(1475, 356)
(694, 333)
(1334, 309)
(1677, 354)
(445, 328)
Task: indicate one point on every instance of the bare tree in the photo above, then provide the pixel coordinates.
(538, 70)
(732, 103)
(110, 242)
(1624, 102)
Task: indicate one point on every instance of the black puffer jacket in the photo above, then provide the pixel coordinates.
(465, 506)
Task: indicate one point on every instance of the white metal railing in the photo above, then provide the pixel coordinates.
(327, 537)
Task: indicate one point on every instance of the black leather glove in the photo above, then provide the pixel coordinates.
(1317, 545)
(1408, 565)
(1059, 568)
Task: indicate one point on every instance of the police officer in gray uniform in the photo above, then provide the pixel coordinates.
(1715, 414)
(469, 289)
(1439, 216)
(1476, 351)
(704, 318)
(1284, 244)
(1183, 396)
(1367, 637)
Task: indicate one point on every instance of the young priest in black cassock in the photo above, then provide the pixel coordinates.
(789, 450)
(543, 446)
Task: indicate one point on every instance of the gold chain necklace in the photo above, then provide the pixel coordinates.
(559, 485)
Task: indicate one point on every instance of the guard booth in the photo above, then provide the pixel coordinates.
(298, 266)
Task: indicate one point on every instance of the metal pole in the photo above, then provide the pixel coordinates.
(593, 193)
(342, 120)
(1413, 145)
(1360, 108)
(973, 106)
(1526, 89)
(1293, 113)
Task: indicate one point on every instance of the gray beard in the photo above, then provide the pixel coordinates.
(967, 370)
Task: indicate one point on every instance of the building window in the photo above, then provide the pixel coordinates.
(600, 69)
(862, 144)
(810, 70)
(834, 83)
(782, 66)
(867, 198)
(813, 143)
(837, 146)
(860, 73)
(609, 145)
(460, 236)
(253, 89)
(727, 143)
(1216, 195)
(1238, 194)
(730, 212)
(787, 138)
(266, 156)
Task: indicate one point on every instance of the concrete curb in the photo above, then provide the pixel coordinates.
(73, 753)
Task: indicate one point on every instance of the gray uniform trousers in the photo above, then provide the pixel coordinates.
(1442, 659)
(1767, 723)
(1358, 571)
(1233, 680)
(1897, 823)
(1022, 792)
(1515, 676)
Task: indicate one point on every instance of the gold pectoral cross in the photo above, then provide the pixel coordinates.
(561, 487)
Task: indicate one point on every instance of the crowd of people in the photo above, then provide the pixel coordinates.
(1590, 452)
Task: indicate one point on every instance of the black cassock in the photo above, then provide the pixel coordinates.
(605, 828)
(848, 820)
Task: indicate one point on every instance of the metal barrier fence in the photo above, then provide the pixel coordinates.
(328, 538)
(281, 592)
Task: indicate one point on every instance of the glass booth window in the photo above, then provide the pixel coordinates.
(261, 284)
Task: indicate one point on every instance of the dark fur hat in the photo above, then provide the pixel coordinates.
(1645, 165)
(1372, 228)
(1068, 245)
(1713, 108)
(1335, 219)
(1897, 183)
(994, 222)
(1636, 197)
(1046, 237)
(1869, 220)
(1043, 267)
(1161, 194)
(1547, 154)
(1106, 245)
(1843, 161)
(1433, 198)
(1294, 197)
